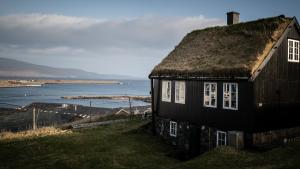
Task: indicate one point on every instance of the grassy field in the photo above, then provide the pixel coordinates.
(125, 145)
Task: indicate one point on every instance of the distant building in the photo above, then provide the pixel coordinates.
(226, 85)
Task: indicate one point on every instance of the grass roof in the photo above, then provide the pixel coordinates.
(235, 50)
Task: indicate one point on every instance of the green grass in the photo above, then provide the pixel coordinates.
(124, 145)
(225, 157)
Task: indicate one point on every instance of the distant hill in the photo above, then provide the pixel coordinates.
(10, 68)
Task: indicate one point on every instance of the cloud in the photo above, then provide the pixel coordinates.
(40, 36)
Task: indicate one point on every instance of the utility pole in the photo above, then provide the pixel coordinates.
(90, 111)
(129, 99)
(37, 117)
(33, 119)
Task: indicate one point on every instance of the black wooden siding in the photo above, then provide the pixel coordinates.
(277, 88)
(194, 112)
(279, 77)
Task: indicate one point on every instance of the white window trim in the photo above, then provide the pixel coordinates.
(237, 97)
(216, 93)
(164, 98)
(173, 123)
(221, 132)
(181, 97)
(293, 60)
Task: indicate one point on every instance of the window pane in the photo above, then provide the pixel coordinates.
(233, 104)
(176, 91)
(207, 93)
(206, 100)
(213, 87)
(213, 102)
(291, 56)
(212, 95)
(290, 44)
(169, 90)
(233, 88)
(226, 103)
(291, 51)
(233, 96)
(182, 92)
(207, 89)
(296, 57)
(166, 91)
(163, 91)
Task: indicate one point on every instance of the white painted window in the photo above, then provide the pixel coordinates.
(230, 96)
(293, 50)
(180, 92)
(166, 91)
(210, 94)
(173, 128)
(221, 138)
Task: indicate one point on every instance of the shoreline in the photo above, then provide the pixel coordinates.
(146, 99)
(38, 83)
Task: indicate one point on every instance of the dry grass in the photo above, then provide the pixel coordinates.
(41, 132)
(234, 50)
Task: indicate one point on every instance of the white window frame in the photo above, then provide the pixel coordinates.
(221, 139)
(173, 128)
(295, 51)
(209, 97)
(166, 88)
(229, 95)
(180, 92)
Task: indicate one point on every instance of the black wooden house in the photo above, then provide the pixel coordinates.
(222, 85)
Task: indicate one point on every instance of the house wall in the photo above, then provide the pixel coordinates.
(277, 90)
(194, 112)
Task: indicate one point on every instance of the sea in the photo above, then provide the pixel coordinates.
(53, 93)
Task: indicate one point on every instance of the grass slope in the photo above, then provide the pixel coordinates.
(124, 146)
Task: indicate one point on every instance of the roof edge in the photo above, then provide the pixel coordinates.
(198, 77)
(274, 48)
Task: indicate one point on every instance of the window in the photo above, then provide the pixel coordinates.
(166, 91)
(293, 50)
(210, 94)
(221, 138)
(230, 96)
(180, 92)
(173, 128)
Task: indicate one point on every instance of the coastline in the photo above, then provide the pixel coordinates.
(146, 99)
(37, 83)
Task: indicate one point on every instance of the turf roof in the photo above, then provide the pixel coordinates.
(222, 51)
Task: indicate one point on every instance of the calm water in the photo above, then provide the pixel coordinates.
(52, 93)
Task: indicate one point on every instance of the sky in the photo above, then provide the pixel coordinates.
(126, 37)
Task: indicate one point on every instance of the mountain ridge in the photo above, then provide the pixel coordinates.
(10, 68)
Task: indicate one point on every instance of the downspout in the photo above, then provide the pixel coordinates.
(152, 107)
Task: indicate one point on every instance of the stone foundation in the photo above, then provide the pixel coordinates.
(193, 140)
